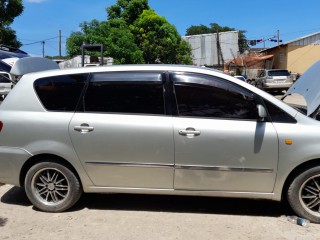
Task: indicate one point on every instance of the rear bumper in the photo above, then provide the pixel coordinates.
(277, 85)
(11, 162)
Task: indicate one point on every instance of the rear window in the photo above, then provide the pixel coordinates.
(60, 93)
(278, 73)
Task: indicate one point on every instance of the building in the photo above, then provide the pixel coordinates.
(296, 55)
(213, 49)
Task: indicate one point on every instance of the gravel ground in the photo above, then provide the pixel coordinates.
(121, 216)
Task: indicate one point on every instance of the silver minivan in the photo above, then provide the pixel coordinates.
(156, 129)
(274, 79)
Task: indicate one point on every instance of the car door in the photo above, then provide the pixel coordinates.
(220, 144)
(122, 134)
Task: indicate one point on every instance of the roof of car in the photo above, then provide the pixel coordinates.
(133, 67)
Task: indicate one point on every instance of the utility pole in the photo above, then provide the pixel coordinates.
(43, 42)
(59, 44)
(219, 51)
(218, 48)
(278, 37)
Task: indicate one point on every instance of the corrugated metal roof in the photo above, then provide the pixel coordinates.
(306, 40)
(311, 39)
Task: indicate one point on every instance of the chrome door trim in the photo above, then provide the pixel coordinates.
(223, 168)
(131, 164)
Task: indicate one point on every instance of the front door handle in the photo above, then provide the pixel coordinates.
(189, 132)
(83, 128)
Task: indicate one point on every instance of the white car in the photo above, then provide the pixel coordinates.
(6, 84)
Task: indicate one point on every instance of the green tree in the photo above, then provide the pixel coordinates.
(114, 35)
(9, 10)
(159, 40)
(214, 28)
(128, 10)
(196, 30)
(133, 33)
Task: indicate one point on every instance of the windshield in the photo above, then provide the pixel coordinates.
(275, 73)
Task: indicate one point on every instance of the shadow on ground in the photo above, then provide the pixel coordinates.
(15, 196)
(164, 203)
(3, 221)
(181, 204)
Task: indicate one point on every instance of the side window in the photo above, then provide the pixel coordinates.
(60, 93)
(220, 99)
(137, 93)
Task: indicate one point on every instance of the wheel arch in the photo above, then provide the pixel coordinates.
(41, 158)
(295, 172)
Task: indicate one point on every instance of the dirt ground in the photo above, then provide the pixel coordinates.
(121, 216)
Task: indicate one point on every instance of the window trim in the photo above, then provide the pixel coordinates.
(162, 81)
(208, 83)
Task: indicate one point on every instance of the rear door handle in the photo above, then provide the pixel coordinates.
(189, 132)
(84, 128)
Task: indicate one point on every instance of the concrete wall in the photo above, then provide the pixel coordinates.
(300, 58)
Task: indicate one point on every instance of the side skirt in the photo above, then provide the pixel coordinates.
(250, 195)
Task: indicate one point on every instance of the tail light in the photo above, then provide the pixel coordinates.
(1, 125)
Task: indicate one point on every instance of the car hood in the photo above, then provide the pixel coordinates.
(308, 85)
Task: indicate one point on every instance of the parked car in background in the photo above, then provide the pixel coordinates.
(156, 129)
(274, 79)
(6, 84)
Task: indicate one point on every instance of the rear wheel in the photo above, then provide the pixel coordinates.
(52, 187)
(304, 194)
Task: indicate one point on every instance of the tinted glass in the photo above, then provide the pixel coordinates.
(278, 115)
(60, 93)
(4, 78)
(137, 93)
(218, 101)
(279, 73)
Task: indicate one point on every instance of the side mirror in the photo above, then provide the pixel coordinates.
(262, 112)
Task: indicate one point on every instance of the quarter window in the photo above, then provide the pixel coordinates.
(60, 93)
(278, 115)
(217, 100)
(137, 93)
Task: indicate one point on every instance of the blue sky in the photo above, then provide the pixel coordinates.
(42, 19)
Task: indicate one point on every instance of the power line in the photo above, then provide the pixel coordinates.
(40, 41)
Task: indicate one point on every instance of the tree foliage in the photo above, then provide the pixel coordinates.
(9, 10)
(114, 35)
(159, 40)
(214, 28)
(133, 33)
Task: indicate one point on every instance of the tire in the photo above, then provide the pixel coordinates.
(304, 194)
(52, 187)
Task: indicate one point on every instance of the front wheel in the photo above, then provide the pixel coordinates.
(304, 194)
(52, 187)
